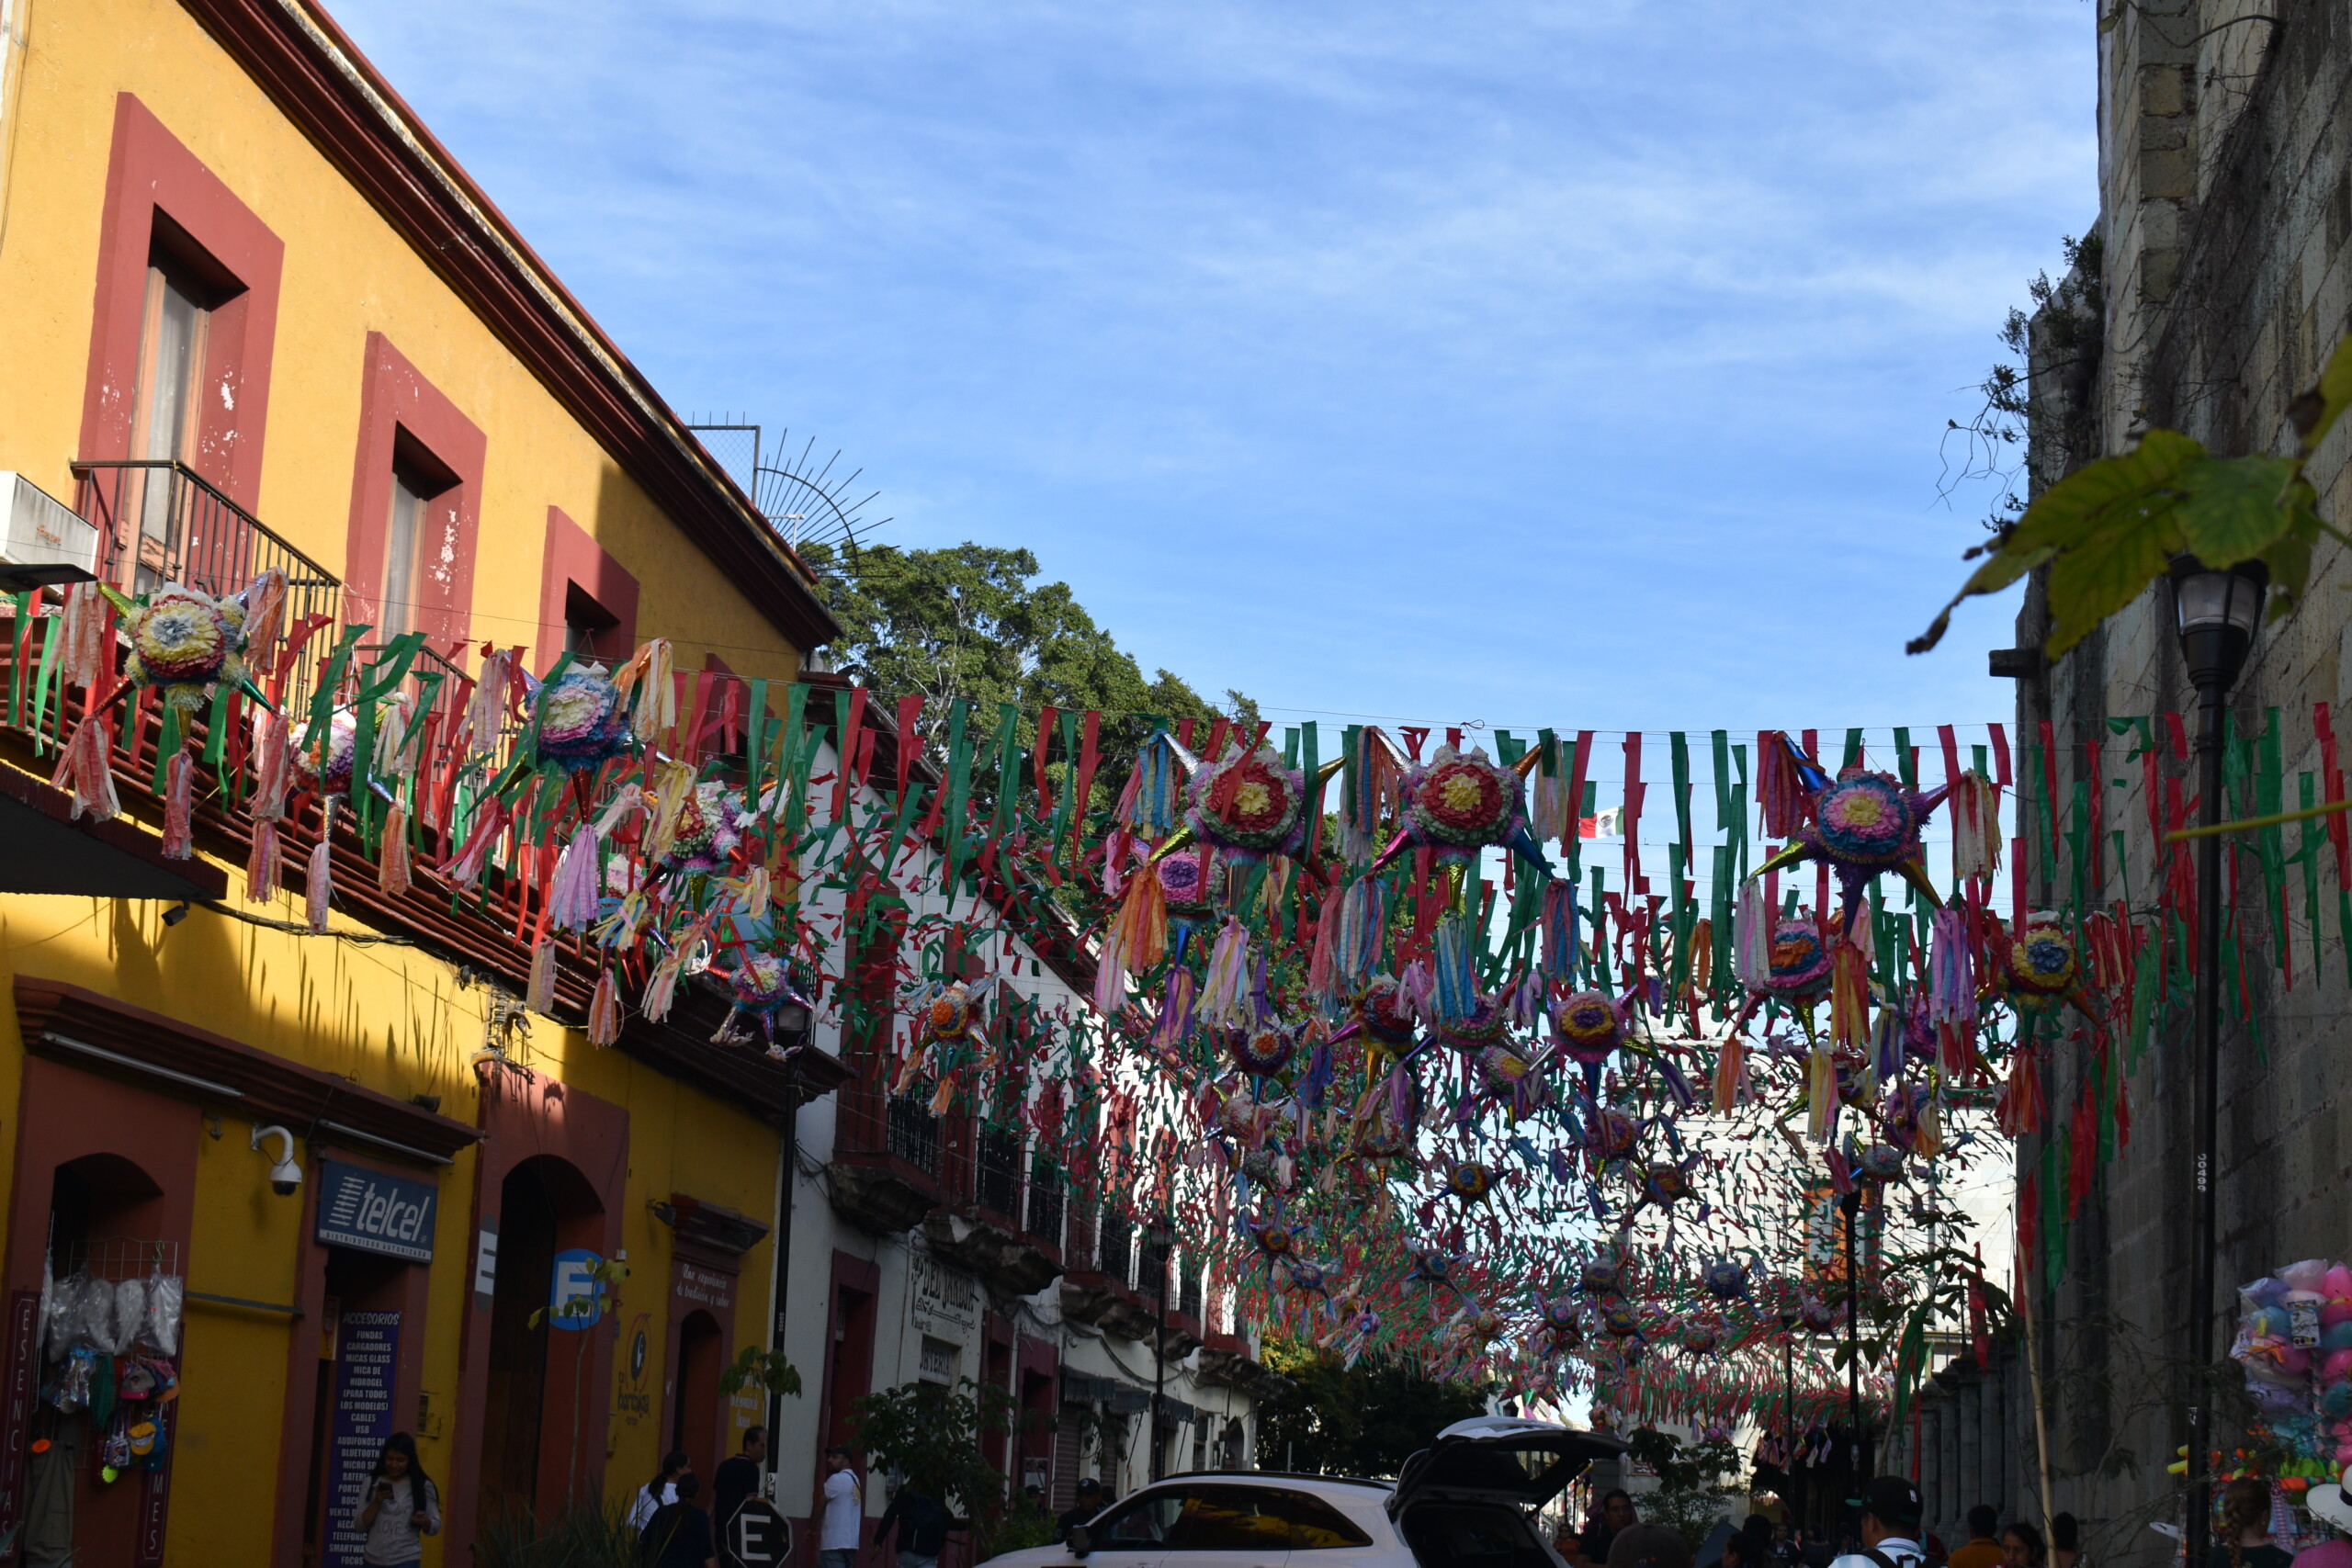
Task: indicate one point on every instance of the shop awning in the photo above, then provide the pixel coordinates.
(48, 852)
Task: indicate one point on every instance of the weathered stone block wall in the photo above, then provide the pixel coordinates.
(2226, 206)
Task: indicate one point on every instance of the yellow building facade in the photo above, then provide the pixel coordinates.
(247, 305)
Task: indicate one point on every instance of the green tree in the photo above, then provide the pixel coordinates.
(931, 1435)
(1691, 1492)
(973, 622)
(1365, 1420)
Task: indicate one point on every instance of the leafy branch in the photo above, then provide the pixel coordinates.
(755, 1367)
(2111, 527)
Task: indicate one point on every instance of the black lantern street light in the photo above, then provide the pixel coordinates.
(2219, 611)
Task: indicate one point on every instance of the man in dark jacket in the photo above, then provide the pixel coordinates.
(922, 1521)
(1090, 1503)
(737, 1478)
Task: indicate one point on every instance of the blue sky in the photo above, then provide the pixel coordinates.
(1582, 365)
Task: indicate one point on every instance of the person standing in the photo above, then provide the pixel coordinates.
(844, 1507)
(678, 1535)
(2021, 1544)
(1890, 1528)
(2245, 1541)
(922, 1521)
(1088, 1503)
(658, 1493)
(1983, 1547)
(399, 1508)
(737, 1478)
(1615, 1514)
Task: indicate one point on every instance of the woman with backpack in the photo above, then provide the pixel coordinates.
(658, 1491)
(678, 1535)
(399, 1508)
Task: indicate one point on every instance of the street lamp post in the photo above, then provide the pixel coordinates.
(2218, 613)
(1857, 1446)
(1163, 1243)
(1790, 1317)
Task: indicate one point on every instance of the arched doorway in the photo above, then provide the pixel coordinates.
(105, 1222)
(694, 1410)
(533, 1416)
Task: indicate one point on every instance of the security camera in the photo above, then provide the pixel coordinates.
(285, 1177)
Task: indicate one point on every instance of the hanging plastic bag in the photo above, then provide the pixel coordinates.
(89, 1312)
(129, 1314)
(59, 1302)
(166, 1294)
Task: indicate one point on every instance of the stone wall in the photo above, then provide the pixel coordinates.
(2225, 207)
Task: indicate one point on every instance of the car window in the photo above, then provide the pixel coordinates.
(1141, 1520)
(1315, 1524)
(1228, 1519)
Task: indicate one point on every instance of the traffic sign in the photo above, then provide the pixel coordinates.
(757, 1536)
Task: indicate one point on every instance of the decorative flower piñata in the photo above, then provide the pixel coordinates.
(1487, 1022)
(1725, 1280)
(1879, 1162)
(1458, 805)
(1189, 883)
(182, 642)
(583, 723)
(1861, 824)
(1469, 1180)
(2040, 970)
(762, 987)
(1263, 1051)
(334, 778)
(1699, 1336)
(709, 827)
(1589, 1026)
(1249, 805)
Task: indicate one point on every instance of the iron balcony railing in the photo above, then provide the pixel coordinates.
(158, 522)
(914, 1131)
(1046, 1184)
(999, 1186)
(1115, 1245)
(1188, 1294)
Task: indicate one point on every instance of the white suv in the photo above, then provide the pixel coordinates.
(1464, 1502)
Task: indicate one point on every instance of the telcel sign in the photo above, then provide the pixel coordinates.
(369, 1211)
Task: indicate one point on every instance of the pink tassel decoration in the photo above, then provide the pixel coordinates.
(83, 662)
(1110, 978)
(572, 893)
(83, 767)
(662, 986)
(540, 995)
(605, 1011)
(265, 600)
(318, 884)
(179, 807)
(466, 869)
(273, 768)
(264, 866)
(391, 860)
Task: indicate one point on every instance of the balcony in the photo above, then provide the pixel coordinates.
(160, 521)
(1100, 1287)
(1046, 1185)
(982, 1226)
(885, 1172)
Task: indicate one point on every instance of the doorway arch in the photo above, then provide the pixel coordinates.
(539, 1394)
(693, 1407)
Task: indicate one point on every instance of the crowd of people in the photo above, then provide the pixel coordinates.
(1886, 1534)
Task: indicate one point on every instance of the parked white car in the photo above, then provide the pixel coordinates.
(1464, 1502)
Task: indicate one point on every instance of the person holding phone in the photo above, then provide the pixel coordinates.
(399, 1508)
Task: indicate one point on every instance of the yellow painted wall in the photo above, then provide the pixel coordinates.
(388, 1017)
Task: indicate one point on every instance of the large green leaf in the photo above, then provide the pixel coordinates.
(2115, 511)
(2105, 572)
(2097, 494)
(2231, 509)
